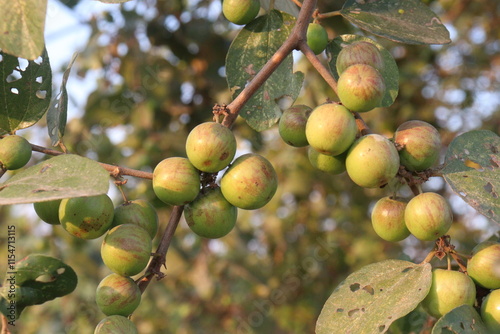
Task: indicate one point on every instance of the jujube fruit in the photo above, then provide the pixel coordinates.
(126, 249)
(372, 161)
(240, 11)
(118, 295)
(484, 265)
(333, 164)
(428, 216)
(292, 125)
(176, 181)
(490, 311)
(361, 88)
(48, 211)
(210, 215)
(138, 212)
(250, 182)
(115, 324)
(86, 217)
(210, 147)
(15, 152)
(359, 53)
(388, 219)
(317, 37)
(449, 289)
(331, 129)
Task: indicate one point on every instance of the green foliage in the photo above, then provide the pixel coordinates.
(249, 51)
(370, 299)
(409, 21)
(472, 165)
(390, 72)
(461, 320)
(22, 27)
(64, 176)
(34, 280)
(26, 92)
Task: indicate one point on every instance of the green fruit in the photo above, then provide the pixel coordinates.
(240, 11)
(317, 37)
(118, 295)
(86, 217)
(138, 212)
(428, 216)
(372, 161)
(484, 266)
(15, 152)
(359, 53)
(490, 311)
(420, 144)
(361, 88)
(48, 211)
(115, 324)
(210, 147)
(388, 219)
(292, 125)
(331, 129)
(250, 182)
(327, 163)
(449, 289)
(176, 181)
(126, 249)
(210, 215)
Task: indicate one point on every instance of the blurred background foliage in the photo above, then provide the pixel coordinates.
(158, 70)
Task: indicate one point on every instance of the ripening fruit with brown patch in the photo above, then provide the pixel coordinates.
(176, 181)
(117, 295)
(359, 53)
(292, 125)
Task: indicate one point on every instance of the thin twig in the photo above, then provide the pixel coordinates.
(318, 65)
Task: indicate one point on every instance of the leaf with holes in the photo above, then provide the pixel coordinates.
(461, 320)
(25, 91)
(35, 280)
(58, 111)
(22, 27)
(60, 177)
(472, 169)
(370, 299)
(255, 44)
(408, 21)
(390, 71)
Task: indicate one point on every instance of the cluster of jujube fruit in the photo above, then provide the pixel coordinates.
(128, 231)
(249, 182)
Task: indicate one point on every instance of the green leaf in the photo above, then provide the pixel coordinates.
(369, 300)
(472, 169)
(461, 320)
(255, 44)
(58, 111)
(25, 94)
(35, 280)
(22, 26)
(64, 176)
(286, 6)
(390, 72)
(408, 21)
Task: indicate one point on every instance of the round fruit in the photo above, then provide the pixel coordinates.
(449, 289)
(420, 144)
(331, 129)
(15, 152)
(126, 249)
(484, 266)
(490, 311)
(210, 215)
(210, 147)
(115, 324)
(250, 182)
(428, 216)
(372, 161)
(48, 211)
(240, 11)
(359, 53)
(86, 217)
(292, 125)
(388, 219)
(327, 163)
(176, 181)
(117, 295)
(361, 88)
(317, 37)
(138, 212)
